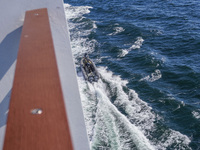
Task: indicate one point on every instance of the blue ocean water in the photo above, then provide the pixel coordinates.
(148, 55)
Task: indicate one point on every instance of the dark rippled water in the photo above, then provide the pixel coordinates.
(148, 54)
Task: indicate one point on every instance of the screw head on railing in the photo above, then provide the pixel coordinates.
(36, 111)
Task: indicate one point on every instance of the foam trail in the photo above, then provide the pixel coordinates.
(140, 114)
(75, 11)
(105, 121)
(79, 42)
(116, 120)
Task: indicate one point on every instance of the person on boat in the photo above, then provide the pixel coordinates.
(86, 56)
(88, 63)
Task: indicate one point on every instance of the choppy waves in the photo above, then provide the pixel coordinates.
(116, 118)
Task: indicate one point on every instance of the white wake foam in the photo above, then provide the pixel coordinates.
(76, 11)
(105, 122)
(139, 113)
(79, 42)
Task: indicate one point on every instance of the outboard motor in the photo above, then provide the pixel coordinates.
(91, 79)
(96, 78)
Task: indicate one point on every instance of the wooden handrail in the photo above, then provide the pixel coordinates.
(37, 117)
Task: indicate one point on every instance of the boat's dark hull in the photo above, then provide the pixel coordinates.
(90, 73)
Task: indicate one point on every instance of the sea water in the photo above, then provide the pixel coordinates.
(148, 56)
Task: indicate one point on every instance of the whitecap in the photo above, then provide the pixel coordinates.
(123, 53)
(196, 114)
(137, 45)
(117, 30)
(156, 75)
